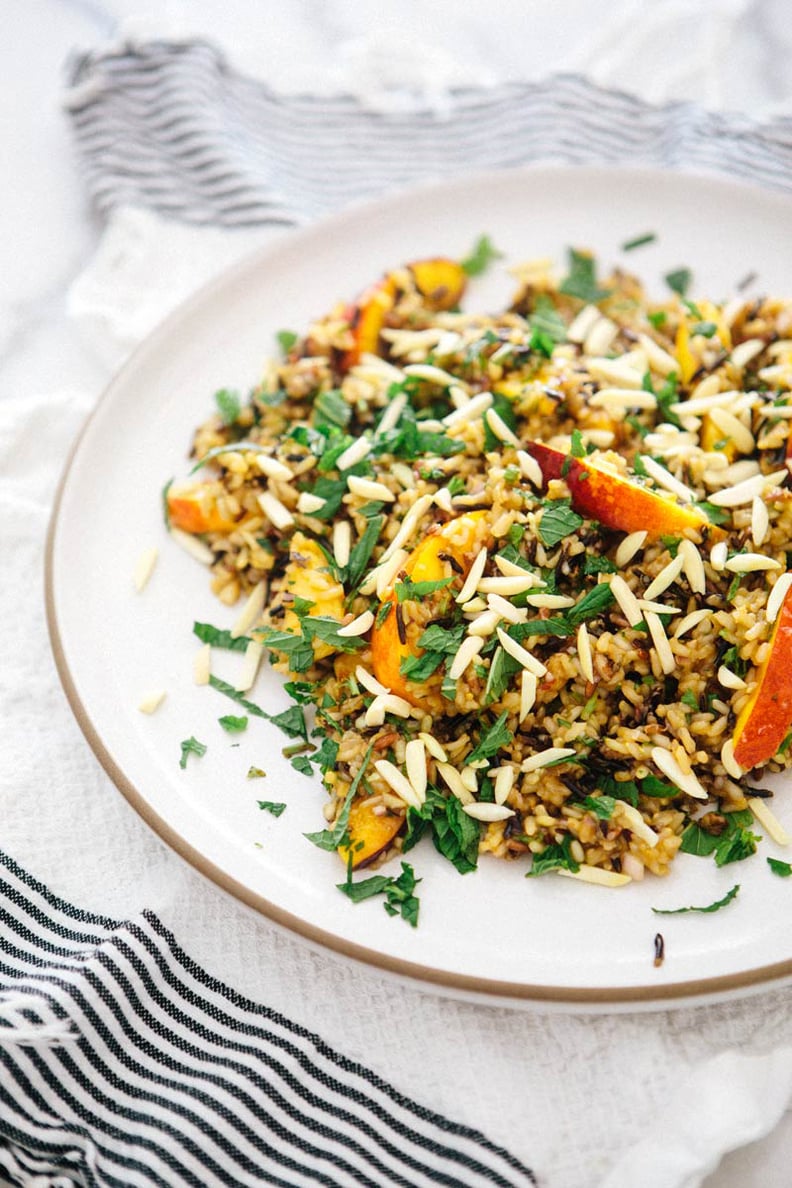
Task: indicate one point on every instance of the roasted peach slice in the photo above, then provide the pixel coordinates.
(370, 834)
(616, 502)
(192, 507)
(457, 539)
(767, 715)
(439, 280)
(307, 575)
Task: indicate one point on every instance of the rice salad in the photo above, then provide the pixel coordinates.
(525, 573)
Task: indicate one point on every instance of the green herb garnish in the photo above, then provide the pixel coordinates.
(679, 280)
(483, 255)
(191, 746)
(276, 807)
(233, 725)
(228, 404)
(400, 897)
(639, 241)
(581, 281)
(558, 520)
(711, 907)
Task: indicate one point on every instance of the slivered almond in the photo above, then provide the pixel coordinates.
(542, 758)
(487, 812)
(250, 666)
(144, 567)
(528, 687)
(686, 781)
(631, 545)
(251, 612)
(584, 652)
(466, 653)
(150, 702)
(521, 654)
(202, 665)
(415, 762)
(470, 584)
(504, 782)
(359, 626)
(397, 782)
(666, 577)
(626, 600)
(369, 489)
(596, 875)
(769, 820)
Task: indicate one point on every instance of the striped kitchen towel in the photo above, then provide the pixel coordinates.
(124, 1063)
(172, 128)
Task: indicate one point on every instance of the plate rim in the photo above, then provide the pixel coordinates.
(510, 993)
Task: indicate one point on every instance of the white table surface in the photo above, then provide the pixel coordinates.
(731, 54)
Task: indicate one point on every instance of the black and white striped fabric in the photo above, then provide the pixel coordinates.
(171, 128)
(124, 1064)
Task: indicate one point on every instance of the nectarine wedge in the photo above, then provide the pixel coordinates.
(616, 502)
(369, 834)
(192, 507)
(767, 716)
(388, 650)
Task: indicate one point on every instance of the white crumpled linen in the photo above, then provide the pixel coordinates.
(653, 1098)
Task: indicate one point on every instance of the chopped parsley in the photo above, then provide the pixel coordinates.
(191, 746)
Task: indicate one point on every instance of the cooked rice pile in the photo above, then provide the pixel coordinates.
(579, 700)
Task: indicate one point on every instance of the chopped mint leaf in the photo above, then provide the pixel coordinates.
(276, 807)
(558, 521)
(782, 869)
(639, 241)
(228, 404)
(191, 746)
(233, 725)
(556, 856)
(492, 740)
(331, 839)
(484, 253)
(219, 638)
(581, 281)
(410, 591)
(400, 897)
(679, 280)
(711, 907)
(286, 340)
(331, 409)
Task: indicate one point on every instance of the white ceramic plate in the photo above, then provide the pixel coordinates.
(493, 933)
